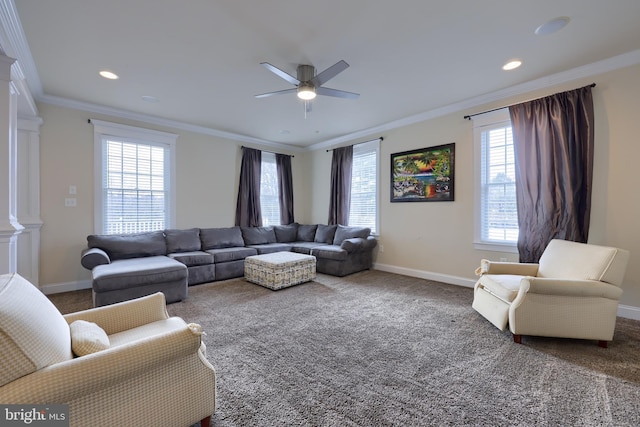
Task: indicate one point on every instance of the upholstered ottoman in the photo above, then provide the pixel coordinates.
(279, 269)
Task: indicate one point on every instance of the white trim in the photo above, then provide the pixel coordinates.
(629, 312)
(148, 136)
(56, 288)
(429, 275)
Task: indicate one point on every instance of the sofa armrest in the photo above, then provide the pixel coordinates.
(515, 268)
(91, 258)
(69, 380)
(570, 287)
(358, 244)
(125, 315)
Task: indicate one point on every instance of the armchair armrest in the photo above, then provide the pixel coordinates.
(570, 287)
(68, 380)
(125, 315)
(515, 268)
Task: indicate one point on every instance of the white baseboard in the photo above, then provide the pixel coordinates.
(629, 312)
(429, 275)
(626, 311)
(56, 288)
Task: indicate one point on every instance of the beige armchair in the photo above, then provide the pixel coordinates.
(572, 292)
(138, 366)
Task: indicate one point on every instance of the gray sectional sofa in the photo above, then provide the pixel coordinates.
(132, 265)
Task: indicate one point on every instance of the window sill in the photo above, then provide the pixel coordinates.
(496, 247)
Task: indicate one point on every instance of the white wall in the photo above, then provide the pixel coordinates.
(436, 239)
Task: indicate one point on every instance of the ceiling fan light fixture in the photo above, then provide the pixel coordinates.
(306, 92)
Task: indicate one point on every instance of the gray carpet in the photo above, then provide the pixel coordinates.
(378, 349)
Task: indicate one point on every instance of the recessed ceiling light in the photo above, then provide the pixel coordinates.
(552, 26)
(149, 98)
(512, 65)
(109, 75)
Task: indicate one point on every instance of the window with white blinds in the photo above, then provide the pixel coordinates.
(269, 190)
(497, 215)
(134, 185)
(363, 210)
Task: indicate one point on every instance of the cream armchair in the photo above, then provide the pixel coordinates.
(138, 366)
(572, 292)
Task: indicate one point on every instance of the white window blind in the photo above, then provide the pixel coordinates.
(363, 209)
(497, 215)
(269, 190)
(134, 191)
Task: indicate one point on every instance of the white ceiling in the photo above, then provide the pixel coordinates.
(201, 58)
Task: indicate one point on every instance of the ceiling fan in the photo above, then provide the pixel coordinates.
(308, 84)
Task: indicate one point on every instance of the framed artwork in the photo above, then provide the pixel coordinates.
(424, 175)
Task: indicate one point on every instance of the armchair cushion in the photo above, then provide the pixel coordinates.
(33, 333)
(87, 338)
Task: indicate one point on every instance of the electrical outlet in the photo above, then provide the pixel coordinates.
(70, 202)
(381, 248)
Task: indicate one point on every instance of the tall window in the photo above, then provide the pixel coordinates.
(134, 185)
(363, 209)
(269, 192)
(496, 210)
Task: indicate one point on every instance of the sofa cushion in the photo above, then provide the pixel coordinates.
(346, 232)
(286, 233)
(306, 233)
(182, 240)
(94, 257)
(231, 254)
(124, 246)
(223, 237)
(193, 258)
(269, 248)
(33, 333)
(87, 338)
(258, 235)
(330, 252)
(126, 273)
(324, 233)
(305, 247)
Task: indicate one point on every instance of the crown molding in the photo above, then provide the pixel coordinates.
(590, 70)
(13, 43)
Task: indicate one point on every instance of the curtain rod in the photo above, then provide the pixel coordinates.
(507, 106)
(272, 152)
(363, 142)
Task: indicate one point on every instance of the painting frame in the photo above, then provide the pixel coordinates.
(424, 175)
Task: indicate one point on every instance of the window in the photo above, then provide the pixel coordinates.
(134, 186)
(269, 190)
(363, 210)
(496, 210)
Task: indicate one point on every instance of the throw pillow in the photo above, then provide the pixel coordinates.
(182, 240)
(286, 233)
(345, 232)
(324, 233)
(306, 233)
(87, 338)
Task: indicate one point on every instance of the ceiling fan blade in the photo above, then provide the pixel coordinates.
(337, 93)
(329, 73)
(279, 92)
(278, 72)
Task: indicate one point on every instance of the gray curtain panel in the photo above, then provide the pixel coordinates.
(340, 196)
(553, 142)
(285, 188)
(248, 212)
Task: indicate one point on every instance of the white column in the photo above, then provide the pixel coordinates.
(9, 225)
(28, 190)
